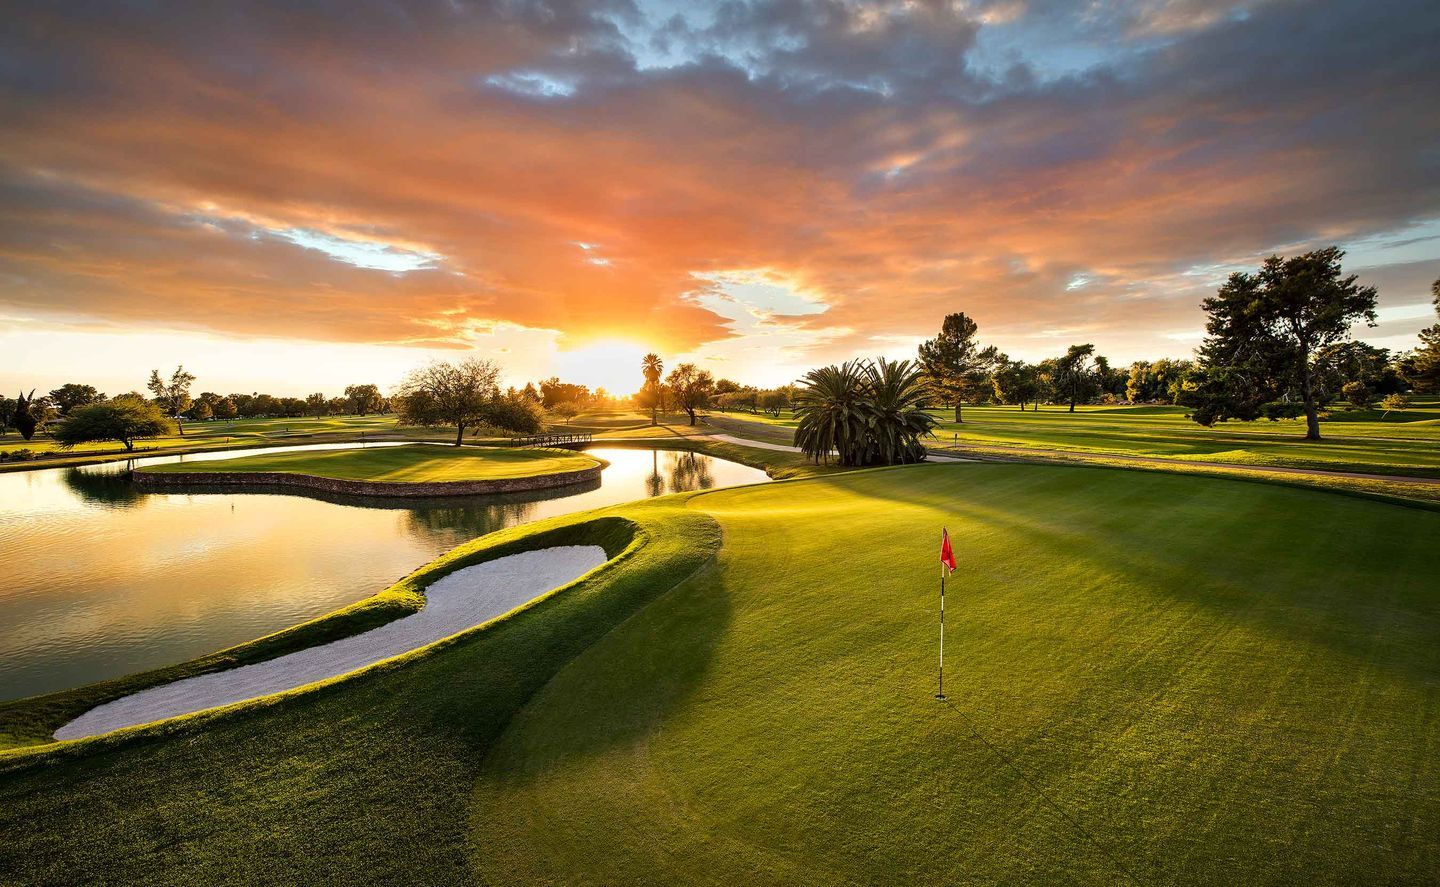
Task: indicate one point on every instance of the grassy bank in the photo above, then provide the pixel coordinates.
(421, 463)
(778, 465)
(220, 435)
(1168, 676)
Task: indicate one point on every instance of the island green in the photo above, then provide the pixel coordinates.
(414, 463)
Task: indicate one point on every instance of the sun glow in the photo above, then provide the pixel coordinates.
(612, 364)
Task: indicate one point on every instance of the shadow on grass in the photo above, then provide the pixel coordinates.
(362, 779)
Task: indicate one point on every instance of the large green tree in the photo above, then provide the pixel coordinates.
(1016, 382)
(173, 394)
(1073, 374)
(1159, 381)
(955, 365)
(363, 398)
(1265, 331)
(1424, 363)
(691, 387)
(445, 393)
(72, 394)
(125, 419)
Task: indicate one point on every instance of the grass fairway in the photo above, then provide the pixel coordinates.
(1400, 443)
(1182, 679)
(418, 463)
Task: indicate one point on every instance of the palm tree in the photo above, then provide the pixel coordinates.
(831, 419)
(866, 413)
(895, 418)
(652, 367)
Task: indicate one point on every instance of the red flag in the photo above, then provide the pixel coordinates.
(947, 556)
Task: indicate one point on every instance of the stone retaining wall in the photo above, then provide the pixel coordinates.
(163, 480)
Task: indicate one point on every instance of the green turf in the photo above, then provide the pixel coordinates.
(1398, 443)
(220, 433)
(418, 463)
(1186, 679)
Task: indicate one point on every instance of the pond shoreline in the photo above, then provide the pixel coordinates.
(170, 480)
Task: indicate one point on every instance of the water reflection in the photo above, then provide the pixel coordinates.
(108, 490)
(104, 580)
(689, 472)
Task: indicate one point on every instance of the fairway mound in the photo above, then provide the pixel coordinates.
(463, 599)
(418, 471)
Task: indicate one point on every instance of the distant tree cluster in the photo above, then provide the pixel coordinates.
(730, 395)
(1278, 346)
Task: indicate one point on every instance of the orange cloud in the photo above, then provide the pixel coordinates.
(155, 172)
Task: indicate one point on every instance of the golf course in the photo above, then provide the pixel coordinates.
(746, 443)
(1151, 678)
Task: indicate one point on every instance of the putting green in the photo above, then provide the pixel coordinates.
(415, 463)
(1170, 678)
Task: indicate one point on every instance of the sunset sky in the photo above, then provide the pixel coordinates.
(295, 196)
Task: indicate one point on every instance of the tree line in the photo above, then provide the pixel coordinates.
(1278, 345)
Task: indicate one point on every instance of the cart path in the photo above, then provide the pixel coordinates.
(932, 456)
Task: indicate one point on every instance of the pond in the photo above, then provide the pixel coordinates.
(101, 580)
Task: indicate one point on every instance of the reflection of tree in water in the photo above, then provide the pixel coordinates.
(654, 483)
(107, 489)
(689, 472)
(455, 519)
(457, 523)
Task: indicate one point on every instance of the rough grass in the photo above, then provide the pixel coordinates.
(420, 463)
(1184, 679)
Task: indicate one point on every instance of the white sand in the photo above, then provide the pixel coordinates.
(465, 598)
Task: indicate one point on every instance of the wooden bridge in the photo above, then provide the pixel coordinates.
(552, 439)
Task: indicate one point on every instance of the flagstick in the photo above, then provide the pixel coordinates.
(941, 694)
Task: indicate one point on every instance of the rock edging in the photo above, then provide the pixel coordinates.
(163, 480)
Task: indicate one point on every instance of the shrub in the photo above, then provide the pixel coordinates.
(1358, 394)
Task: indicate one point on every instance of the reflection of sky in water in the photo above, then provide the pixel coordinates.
(104, 581)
